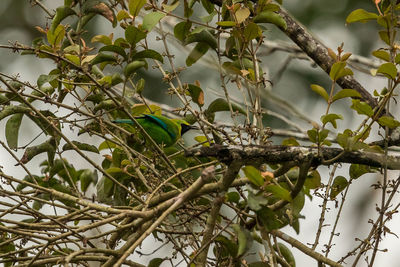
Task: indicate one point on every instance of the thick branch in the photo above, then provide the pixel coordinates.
(254, 155)
(319, 53)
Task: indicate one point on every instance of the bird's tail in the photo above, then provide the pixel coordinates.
(128, 121)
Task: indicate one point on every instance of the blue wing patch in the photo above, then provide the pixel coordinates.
(160, 123)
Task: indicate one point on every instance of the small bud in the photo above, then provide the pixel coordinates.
(332, 54)
(345, 56)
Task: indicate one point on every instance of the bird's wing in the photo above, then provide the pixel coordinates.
(161, 123)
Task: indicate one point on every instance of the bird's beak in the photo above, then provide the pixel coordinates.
(193, 127)
(186, 127)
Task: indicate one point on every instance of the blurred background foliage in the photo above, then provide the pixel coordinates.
(325, 18)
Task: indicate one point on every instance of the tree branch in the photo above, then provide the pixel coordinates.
(316, 50)
(297, 244)
(229, 176)
(255, 155)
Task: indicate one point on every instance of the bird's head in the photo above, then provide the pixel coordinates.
(184, 126)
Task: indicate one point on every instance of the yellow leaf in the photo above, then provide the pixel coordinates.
(242, 14)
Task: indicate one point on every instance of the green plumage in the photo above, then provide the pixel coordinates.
(162, 130)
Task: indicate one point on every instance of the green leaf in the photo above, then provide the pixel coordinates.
(269, 219)
(133, 67)
(81, 146)
(338, 185)
(244, 238)
(226, 23)
(397, 59)
(156, 262)
(384, 37)
(86, 178)
(360, 15)
(313, 180)
(4, 100)
(381, 54)
(279, 192)
(140, 109)
(286, 253)
(122, 14)
(182, 30)
(114, 48)
(320, 90)
(133, 35)
(208, 6)
(46, 79)
(11, 109)
(220, 104)
(264, 6)
(107, 145)
(385, 20)
(59, 166)
(232, 197)
(297, 204)
(55, 37)
(201, 35)
(104, 189)
(208, 18)
(33, 151)
(61, 13)
(256, 202)
(389, 70)
(230, 68)
(198, 51)
(149, 53)
(312, 135)
(346, 93)
(227, 244)
(187, 9)
(331, 118)
(12, 130)
(345, 139)
(253, 175)
(242, 14)
(135, 6)
(338, 71)
(151, 19)
(104, 105)
(362, 108)
(291, 141)
(74, 59)
(389, 122)
(197, 94)
(356, 170)
(251, 31)
(92, 7)
(170, 8)
(140, 86)
(271, 17)
(202, 139)
(103, 57)
(46, 126)
(336, 68)
(323, 134)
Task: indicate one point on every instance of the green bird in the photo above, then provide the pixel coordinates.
(162, 130)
